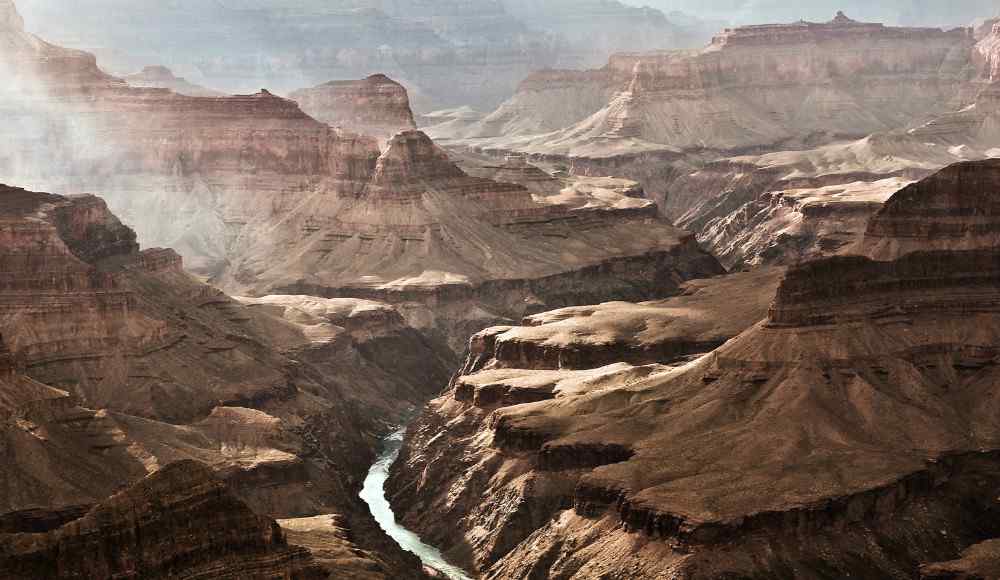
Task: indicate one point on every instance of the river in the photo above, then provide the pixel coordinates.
(373, 494)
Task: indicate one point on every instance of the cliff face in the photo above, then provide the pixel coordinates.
(863, 400)
(752, 87)
(180, 522)
(376, 106)
(268, 200)
(458, 251)
(118, 363)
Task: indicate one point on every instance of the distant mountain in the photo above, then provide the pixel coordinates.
(449, 52)
(901, 12)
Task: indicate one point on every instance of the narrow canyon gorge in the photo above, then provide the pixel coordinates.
(497, 289)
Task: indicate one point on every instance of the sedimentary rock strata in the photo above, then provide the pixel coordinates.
(118, 363)
(180, 522)
(377, 106)
(849, 433)
(832, 79)
(267, 200)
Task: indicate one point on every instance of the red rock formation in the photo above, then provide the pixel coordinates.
(269, 200)
(956, 208)
(180, 522)
(179, 370)
(376, 106)
(851, 433)
(752, 87)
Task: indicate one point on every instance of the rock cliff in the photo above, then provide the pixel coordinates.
(118, 363)
(376, 106)
(180, 522)
(267, 200)
(849, 433)
(752, 87)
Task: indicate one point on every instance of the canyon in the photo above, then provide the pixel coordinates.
(726, 312)
(843, 430)
(268, 200)
(773, 144)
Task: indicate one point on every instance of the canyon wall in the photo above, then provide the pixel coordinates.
(861, 400)
(376, 106)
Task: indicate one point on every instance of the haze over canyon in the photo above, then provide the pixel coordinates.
(499, 289)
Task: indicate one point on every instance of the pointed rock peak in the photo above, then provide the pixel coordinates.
(412, 155)
(10, 18)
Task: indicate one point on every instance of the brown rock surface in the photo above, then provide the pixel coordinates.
(376, 106)
(267, 200)
(180, 522)
(835, 79)
(285, 406)
(851, 433)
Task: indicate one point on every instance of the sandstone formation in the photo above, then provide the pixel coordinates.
(376, 106)
(752, 87)
(850, 433)
(267, 200)
(180, 522)
(790, 205)
(424, 233)
(118, 363)
(160, 77)
(450, 52)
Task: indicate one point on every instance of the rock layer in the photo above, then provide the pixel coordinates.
(181, 522)
(850, 433)
(376, 106)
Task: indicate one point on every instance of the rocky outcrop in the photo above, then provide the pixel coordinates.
(376, 106)
(832, 80)
(268, 200)
(180, 522)
(161, 77)
(956, 209)
(119, 363)
(556, 356)
(798, 448)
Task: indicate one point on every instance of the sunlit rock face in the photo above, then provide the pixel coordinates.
(376, 106)
(265, 199)
(862, 397)
(752, 87)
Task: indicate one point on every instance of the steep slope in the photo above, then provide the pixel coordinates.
(752, 87)
(786, 206)
(180, 522)
(267, 200)
(139, 365)
(850, 433)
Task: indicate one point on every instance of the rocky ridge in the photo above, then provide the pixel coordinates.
(858, 415)
(120, 363)
(832, 79)
(267, 200)
(180, 522)
(376, 106)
